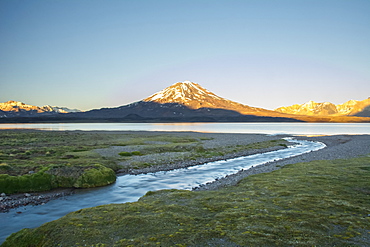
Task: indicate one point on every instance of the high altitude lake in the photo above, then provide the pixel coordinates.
(265, 128)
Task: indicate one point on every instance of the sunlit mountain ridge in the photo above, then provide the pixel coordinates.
(312, 108)
(16, 108)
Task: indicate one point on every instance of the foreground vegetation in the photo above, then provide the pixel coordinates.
(320, 203)
(33, 161)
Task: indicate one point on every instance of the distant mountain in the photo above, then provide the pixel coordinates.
(20, 109)
(311, 108)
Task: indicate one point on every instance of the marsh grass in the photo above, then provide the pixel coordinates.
(29, 157)
(320, 203)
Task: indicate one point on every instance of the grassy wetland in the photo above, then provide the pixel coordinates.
(32, 161)
(318, 203)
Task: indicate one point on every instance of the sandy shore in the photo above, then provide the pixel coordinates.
(338, 146)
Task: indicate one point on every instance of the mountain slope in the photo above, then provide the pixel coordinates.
(191, 95)
(311, 108)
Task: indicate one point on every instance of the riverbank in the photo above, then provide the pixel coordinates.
(159, 151)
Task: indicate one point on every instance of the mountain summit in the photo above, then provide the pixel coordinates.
(193, 96)
(187, 93)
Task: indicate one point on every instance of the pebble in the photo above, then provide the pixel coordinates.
(3, 195)
(15, 201)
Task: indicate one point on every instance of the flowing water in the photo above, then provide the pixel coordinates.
(129, 188)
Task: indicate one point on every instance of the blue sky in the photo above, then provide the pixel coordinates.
(265, 53)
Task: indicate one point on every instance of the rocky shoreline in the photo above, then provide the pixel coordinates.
(338, 146)
(8, 202)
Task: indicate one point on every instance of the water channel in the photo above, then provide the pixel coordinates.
(129, 188)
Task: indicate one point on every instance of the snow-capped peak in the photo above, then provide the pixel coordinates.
(193, 96)
(182, 92)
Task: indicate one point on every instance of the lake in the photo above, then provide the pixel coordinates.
(265, 128)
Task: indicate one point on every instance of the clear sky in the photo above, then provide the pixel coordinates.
(265, 53)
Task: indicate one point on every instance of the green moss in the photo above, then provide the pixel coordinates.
(125, 153)
(130, 153)
(96, 176)
(4, 167)
(27, 183)
(57, 177)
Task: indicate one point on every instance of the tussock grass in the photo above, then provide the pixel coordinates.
(320, 203)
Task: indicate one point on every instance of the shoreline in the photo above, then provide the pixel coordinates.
(338, 146)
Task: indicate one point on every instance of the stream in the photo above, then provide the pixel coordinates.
(130, 188)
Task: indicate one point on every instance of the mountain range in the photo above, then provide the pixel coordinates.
(312, 108)
(189, 102)
(20, 109)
